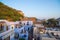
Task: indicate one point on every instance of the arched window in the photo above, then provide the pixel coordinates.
(27, 23)
(12, 27)
(20, 23)
(24, 23)
(6, 27)
(1, 27)
(16, 35)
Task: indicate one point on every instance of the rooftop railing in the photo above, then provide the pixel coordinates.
(6, 34)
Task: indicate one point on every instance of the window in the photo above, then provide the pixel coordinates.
(12, 27)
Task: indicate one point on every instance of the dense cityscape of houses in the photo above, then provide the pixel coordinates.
(28, 29)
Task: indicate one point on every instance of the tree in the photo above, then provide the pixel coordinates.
(52, 22)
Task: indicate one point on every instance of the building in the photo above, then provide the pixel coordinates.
(25, 32)
(58, 21)
(22, 28)
(23, 23)
(36, 34)
(12, 25)
(40, 26)
(5, 31)
(3, 25)
(6, 25)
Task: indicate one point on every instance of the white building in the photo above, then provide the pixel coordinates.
(3, 25)
(6, 25)
(58, 21)
(25, 22)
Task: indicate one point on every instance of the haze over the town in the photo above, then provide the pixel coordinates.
(36, 8)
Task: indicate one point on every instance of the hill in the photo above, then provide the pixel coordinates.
(9, 13)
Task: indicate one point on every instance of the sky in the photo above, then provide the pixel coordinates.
(36, 8)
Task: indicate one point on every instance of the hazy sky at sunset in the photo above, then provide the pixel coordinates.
(36, 8)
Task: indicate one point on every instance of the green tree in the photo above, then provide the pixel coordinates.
(52, 22)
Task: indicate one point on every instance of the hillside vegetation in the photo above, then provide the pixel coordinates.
(9, 13)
